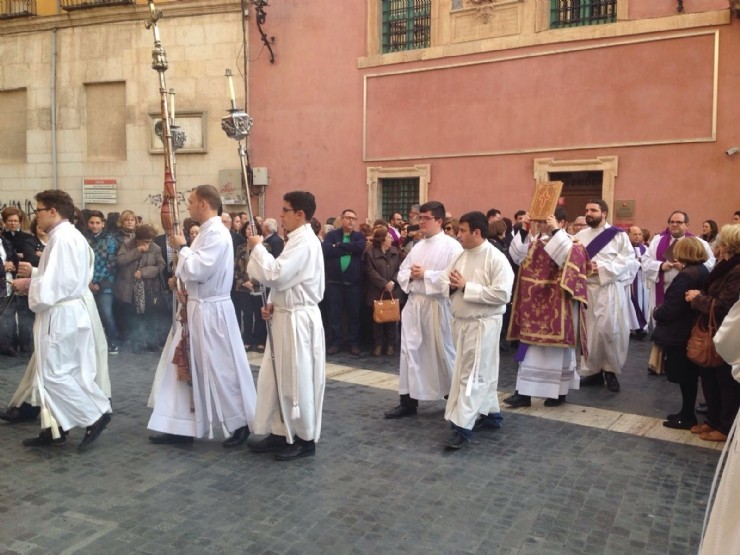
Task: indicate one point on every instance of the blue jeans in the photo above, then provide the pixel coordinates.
(104, 302)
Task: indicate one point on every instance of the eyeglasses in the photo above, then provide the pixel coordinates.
(288, 210)
(427, 218)
(37, 210)
(349, 217)
(674, 222)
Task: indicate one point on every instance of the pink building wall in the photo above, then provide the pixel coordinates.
(309, 115)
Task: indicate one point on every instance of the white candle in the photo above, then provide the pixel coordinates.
(232, 96)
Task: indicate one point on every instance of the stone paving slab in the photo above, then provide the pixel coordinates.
(538, 486)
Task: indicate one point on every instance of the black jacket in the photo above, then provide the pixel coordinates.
(675, 317)
(274, 244)
(334, 249)
(18, 240)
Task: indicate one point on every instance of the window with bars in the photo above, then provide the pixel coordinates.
(69, 5)
(397, 195)
(17, 8)
(575, 13)
(406, 24)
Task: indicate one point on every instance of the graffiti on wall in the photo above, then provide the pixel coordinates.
(156, 200)
(25, 206)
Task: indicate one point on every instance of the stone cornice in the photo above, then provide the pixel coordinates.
(105, 15)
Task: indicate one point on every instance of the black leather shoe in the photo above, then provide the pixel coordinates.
(400, 412)
(15, 415)
(456, 440)
(595, 379)
(673, 416)
(518, 400)
(270, 444)
(92, 432)
(301, 448)
(511, 397)
(612, 383)
(239, 437)
(555, 402)
(45, 439)
(680, 424)
(170, 439)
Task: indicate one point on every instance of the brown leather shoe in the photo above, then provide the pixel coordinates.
(701, 428)
(377, 351)
(355, 350)
(714, 435)
(391, 351)
(333, 350)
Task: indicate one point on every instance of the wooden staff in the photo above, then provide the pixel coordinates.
(170, 213)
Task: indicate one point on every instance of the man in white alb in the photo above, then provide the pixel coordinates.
(291, 392)
(479, 284)
(220, 390)
(427, 349)
(66, 364)
(607, 317)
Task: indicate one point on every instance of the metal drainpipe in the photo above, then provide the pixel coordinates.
(54, 109)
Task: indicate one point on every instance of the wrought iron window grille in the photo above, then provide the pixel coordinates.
(406, 24)
(397, 195)
(17, 8)
(69, 5)
(575, 13)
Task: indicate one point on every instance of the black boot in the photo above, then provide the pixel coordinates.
(297, 450)
(519, 400)
(239, 437)
(45, 439)
(595, 379)
(406, 408)
(555, 402)
(612, 383)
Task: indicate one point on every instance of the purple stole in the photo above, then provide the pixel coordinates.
(602, 240)
(542, 310)
(633, 293)
(663, 244)
(395, 236)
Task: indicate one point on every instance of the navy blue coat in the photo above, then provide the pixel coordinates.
(334, 249)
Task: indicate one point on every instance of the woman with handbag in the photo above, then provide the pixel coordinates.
(381, 264)
(721, 391)
(674, 320)
(138, 286)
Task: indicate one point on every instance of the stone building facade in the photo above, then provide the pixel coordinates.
(93, 64)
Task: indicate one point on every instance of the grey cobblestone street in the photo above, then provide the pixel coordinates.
(539, 486)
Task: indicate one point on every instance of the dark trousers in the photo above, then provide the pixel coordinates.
(254, 327)
(23, 337)
(345, 302)
(685, 373)
(384, 333)
(7, 327)
(722, 394)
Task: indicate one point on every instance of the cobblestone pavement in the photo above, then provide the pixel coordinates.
(538, 486)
